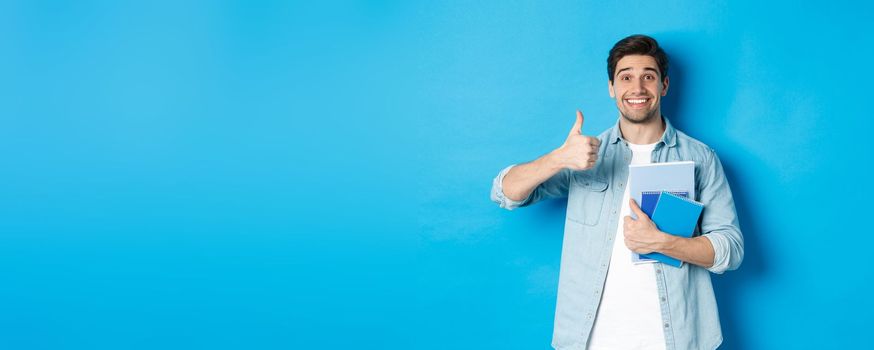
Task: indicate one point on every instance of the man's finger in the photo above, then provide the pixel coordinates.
(636, 209)
(578, 125)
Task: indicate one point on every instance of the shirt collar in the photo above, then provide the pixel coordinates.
(669, 137)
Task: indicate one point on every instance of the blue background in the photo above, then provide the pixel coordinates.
(281, 175)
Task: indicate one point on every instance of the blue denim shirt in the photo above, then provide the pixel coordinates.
(688, 305)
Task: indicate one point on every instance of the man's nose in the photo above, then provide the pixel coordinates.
(638, 86)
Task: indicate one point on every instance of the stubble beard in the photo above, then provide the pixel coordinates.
(648, 117)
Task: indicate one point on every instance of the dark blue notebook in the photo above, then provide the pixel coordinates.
(676, 215)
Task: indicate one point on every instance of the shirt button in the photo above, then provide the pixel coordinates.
(663, 299)
(658, 271)
(666, 325)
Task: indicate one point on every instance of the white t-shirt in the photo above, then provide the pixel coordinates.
(629, 316)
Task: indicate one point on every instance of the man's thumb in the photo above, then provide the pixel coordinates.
(577, 129)
(636, 209)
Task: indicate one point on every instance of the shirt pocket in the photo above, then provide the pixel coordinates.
(586, 198)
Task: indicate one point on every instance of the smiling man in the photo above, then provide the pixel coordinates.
(604, 300)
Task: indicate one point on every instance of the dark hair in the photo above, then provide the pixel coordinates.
(637, 44)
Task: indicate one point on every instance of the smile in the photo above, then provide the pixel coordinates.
(636, 101)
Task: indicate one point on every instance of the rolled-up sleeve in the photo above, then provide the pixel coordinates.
(498, 192)
(554, 187)
(719, 222)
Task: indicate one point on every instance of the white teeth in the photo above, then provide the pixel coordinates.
(637, 101)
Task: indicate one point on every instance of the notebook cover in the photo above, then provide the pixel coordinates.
(647, 205)
(657, 177)
(675, 215)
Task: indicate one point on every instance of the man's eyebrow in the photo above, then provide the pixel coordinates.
(629, 68)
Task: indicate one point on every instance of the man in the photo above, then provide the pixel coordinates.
(604, 300)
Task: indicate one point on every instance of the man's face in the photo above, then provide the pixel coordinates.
(637, 87)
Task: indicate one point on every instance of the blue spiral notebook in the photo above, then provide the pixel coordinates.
(675, 215)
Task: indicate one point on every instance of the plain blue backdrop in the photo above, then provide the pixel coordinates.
(280, 175)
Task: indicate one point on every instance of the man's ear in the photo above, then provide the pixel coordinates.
(666, 83)
(610, 88)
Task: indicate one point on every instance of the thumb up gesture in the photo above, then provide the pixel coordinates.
(579, 152)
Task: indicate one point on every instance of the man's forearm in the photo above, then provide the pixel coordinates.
(696, 250)
(522, 179)
(579, 152)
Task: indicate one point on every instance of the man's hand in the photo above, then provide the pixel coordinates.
(641, 235)
(578, 152)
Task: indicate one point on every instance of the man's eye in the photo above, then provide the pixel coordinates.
(626, 78)
(649, 77)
